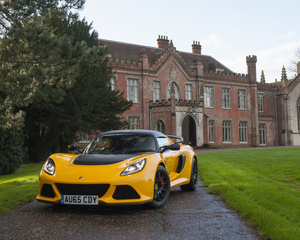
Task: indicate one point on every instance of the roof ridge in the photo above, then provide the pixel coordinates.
(133, 44)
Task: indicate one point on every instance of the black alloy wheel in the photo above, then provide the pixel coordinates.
(161, 188)
(192, 185)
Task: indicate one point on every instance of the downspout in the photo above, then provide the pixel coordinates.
(197, 85)
(287, 123)
(276, 118)
(148, 115)
(150, 112)
(143, 94)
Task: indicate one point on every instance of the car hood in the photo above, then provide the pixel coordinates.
(68, 172)
(101, 159)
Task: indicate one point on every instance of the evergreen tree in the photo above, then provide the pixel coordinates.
(54, 77)
(32, 56)
(59, 111)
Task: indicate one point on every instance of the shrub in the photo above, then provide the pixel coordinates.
(11, 143)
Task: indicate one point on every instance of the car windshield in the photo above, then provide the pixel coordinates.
(121, 143)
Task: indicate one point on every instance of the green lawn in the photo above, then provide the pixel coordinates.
(20, 187)
(263, 186)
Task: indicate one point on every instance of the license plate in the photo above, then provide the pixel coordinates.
(79, 199)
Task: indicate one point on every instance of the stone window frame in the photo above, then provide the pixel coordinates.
(209, 96)
(262, 134)
(160, 125)
(211, 131)
(225, 97)
(168, 90)
(159, 90)
(85, 137)
(243, 131)
(113, 81)
(227, 129)
(188, 92)
(244, 96)
(260, 100)
(134, 99)
(134, 122)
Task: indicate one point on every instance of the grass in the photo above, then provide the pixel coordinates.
(20, 187)
(263, 186)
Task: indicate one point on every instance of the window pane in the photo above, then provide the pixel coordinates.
(225, 98)
(211, 131)
(243, 132)
(113, 84)
(84, 136)
(134, 122)
(262, 133)
(227, 131)
(260, 102)
(160, 126)
(132, 90)
(208, 97)
(176, 89)
(242, 99)
(156, 91)
(188, 92)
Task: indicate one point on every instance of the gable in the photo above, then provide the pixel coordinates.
(294, 83)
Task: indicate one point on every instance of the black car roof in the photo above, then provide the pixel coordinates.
(136, 131)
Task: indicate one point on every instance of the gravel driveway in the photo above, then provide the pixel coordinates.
(187, 215)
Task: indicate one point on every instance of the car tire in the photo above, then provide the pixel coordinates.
(161, 188)
(192, 185)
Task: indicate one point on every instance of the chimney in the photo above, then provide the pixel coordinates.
(162, 42)
(298, 68)
(196, 47)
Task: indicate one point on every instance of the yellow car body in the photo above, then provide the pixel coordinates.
(91, 177)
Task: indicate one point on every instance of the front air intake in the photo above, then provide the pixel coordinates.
(82, 189)
(125, 192)
(47, 191)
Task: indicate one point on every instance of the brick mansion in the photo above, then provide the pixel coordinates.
(195, 96)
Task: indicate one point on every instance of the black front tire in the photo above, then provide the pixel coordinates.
(192, 185)
(161, 188)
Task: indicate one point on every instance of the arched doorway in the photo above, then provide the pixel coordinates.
(189, 130)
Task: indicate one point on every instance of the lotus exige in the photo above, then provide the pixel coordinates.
(120, 167)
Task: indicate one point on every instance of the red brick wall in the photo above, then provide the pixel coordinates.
(233, 114)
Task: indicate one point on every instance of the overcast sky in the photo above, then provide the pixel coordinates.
(227, 30)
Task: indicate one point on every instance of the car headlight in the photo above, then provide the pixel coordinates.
(134, 167)
(49, 166)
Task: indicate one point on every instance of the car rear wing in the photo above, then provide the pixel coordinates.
(177, 137)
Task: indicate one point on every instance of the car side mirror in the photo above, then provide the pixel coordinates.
(172, 147)
(74, 147)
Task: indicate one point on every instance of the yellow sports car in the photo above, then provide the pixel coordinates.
(120, 167)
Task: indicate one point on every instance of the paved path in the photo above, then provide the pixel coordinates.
(187, 215)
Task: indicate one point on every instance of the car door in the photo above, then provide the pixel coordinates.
(170, 156)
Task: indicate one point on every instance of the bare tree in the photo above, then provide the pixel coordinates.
(293, 63)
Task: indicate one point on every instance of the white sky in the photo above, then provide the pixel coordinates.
(227, 30)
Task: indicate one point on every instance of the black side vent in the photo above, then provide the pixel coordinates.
(125, 192)
(47, 191)
(181, 163)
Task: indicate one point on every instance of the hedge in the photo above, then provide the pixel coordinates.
(11, 152)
